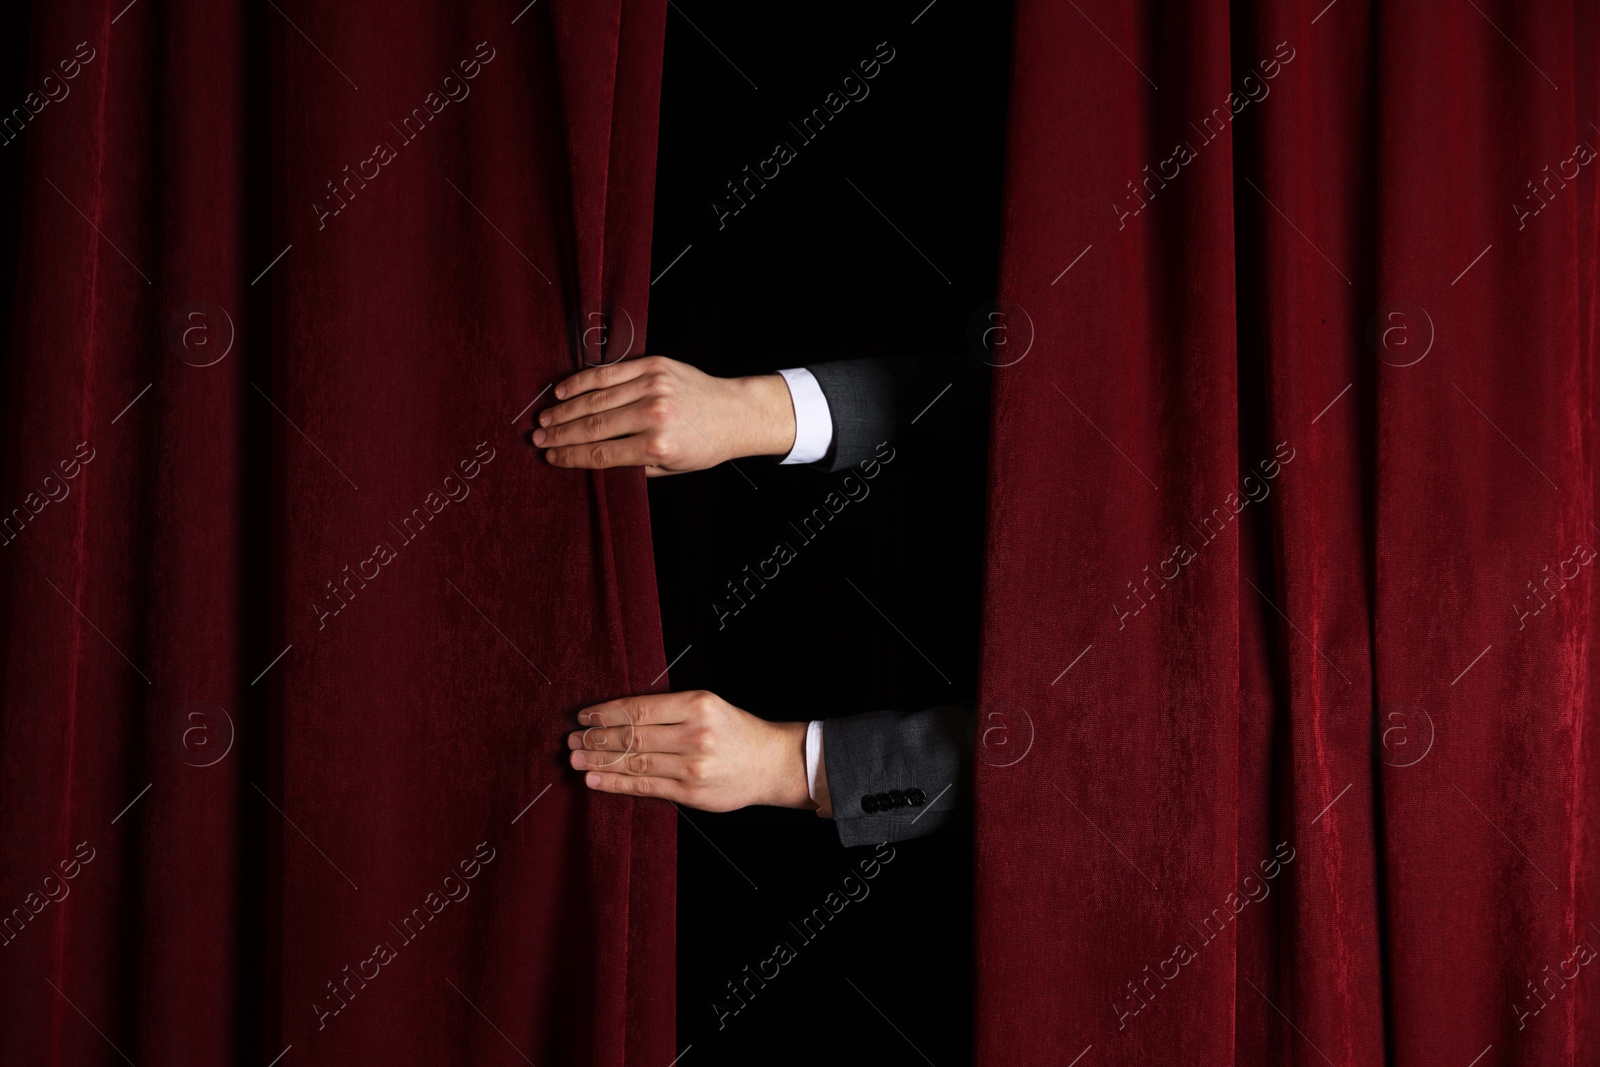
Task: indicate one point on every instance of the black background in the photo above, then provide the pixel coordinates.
(810, 270)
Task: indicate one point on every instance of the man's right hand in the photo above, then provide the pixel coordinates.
(664, 416)
(693, 748)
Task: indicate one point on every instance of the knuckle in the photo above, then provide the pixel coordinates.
(658, 449)
(594, 424)
(600, 456)
(658, 410)
(639, 763)
(695, 770)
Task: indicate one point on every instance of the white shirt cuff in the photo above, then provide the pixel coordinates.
(813, 756)
(813, 422)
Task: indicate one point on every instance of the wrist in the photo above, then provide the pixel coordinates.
(787, 775)
(817, 786)
(769, 424)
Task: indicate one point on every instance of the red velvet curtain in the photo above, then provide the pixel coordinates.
(1285, 679)
(285, 590)
(1290, 570)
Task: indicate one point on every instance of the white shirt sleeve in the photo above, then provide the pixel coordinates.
(813, 756)
(813, 422)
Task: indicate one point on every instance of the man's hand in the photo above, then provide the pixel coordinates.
(691, 748)
(664, 416)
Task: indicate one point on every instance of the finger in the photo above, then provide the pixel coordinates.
(633, 785)
(601, 377)
(624, 452)
(654, 709)
(600, 427)
(597, 401)
(628, 739)
(637, 764)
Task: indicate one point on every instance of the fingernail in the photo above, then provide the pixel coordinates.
(578, 760)
(591, 780)
(550, 457)
(583, 717)
(544, 418)
(538, 437)
(561, 391)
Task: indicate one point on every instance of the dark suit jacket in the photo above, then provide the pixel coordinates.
(892, 775)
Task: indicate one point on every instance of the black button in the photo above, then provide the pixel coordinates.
(885, 803)
(869, 803)
(897, 798)
(916, 797)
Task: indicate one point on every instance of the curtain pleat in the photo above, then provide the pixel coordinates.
(312, 587)
(1290, 539)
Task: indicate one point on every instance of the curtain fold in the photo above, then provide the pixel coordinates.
(1126, 402)
(312, 587)
(1291, 515)
(1290, 555)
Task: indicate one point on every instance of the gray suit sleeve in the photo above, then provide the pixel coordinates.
(871, 400)
(897, 775)
(862, 403)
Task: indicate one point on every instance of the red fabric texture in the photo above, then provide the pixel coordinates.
(454, 196)
(1289, 576)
